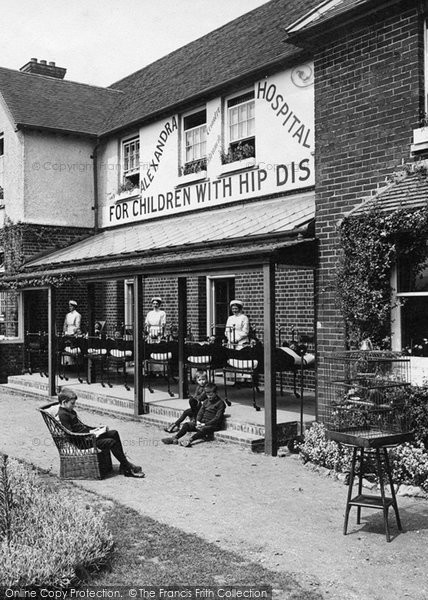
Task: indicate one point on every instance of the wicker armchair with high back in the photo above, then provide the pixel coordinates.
(79, 456)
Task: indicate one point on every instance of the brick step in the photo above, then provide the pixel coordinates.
(106, 403)
(160, 413)
(233, 436)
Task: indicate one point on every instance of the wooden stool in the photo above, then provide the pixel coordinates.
(367, 500)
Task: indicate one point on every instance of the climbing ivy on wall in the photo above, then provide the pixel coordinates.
(371, 244)
(12, 242)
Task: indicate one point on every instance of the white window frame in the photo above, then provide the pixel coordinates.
(210, 281)
(396, 320)
(134, 169)
(232, 139)
(19, 338)
(202, 129)
(129, 307)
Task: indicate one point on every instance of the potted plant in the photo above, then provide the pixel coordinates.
(193, 171)
(239, 156)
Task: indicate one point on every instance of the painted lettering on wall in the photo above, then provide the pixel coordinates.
(214, 192)
(149, 174)
(294, 126)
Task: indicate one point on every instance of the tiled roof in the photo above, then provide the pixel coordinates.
(48, 102)
(322, 13)
(260, 219)
(244, 45)
(410, 192)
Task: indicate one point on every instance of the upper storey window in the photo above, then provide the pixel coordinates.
(131, 162)
(195, 142)
(241, 127)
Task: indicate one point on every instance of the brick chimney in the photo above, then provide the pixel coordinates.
(43, 68)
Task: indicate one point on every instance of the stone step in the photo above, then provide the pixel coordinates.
(161, 411)
(158, 416)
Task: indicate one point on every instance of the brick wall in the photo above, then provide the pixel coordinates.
(368, 100)
(31, 240)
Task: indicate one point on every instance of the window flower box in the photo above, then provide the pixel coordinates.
(124, 195)
(238, 165)
(192, 177)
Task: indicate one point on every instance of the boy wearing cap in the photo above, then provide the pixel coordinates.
(237, 326)
(155, 321)
(72, 320)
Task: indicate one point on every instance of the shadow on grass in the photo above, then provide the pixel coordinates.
(150, 553)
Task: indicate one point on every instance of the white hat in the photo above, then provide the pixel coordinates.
(237, 302)
(73, 302)
(157, 299)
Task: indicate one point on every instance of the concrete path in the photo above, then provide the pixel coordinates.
(273, 510)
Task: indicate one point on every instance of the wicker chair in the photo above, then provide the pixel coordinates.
(79, 456)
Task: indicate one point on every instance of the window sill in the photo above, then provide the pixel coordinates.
(191, 177)
(124, 196)
(5, 340)
(238, 165)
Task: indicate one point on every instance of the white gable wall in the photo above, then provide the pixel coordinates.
(12, 179)
(58, 180)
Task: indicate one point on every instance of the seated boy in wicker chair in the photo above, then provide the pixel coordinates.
(106, 439)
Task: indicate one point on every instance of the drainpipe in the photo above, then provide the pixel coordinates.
(94, 157)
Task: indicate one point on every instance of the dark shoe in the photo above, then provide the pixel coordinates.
(135, 468)
(171, 429)
(132, 473)
(228, 402)
(169, 440)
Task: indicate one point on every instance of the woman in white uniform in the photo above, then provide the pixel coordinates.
(155, 322)
(237, 327)
(72, 320)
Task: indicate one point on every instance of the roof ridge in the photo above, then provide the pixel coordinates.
(63, 81)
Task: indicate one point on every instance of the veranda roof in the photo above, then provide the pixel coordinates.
(240, 230)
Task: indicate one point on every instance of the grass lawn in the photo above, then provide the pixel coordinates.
(148, 553)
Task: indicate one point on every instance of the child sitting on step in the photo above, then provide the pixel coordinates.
(208, 420)
(195, 402)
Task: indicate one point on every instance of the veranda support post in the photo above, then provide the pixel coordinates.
(182, 329)
(138, 345)
(271, 436)
(52, 341)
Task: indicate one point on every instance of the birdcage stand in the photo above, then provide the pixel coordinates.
(361, 500)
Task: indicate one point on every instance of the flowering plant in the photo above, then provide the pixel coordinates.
(239, 152)
(195, 166)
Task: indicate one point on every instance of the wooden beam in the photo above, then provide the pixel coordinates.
(271, 434)
(138, 346)
(182, 331)
(52, 356)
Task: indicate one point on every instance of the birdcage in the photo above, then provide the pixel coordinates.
(365, 398)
